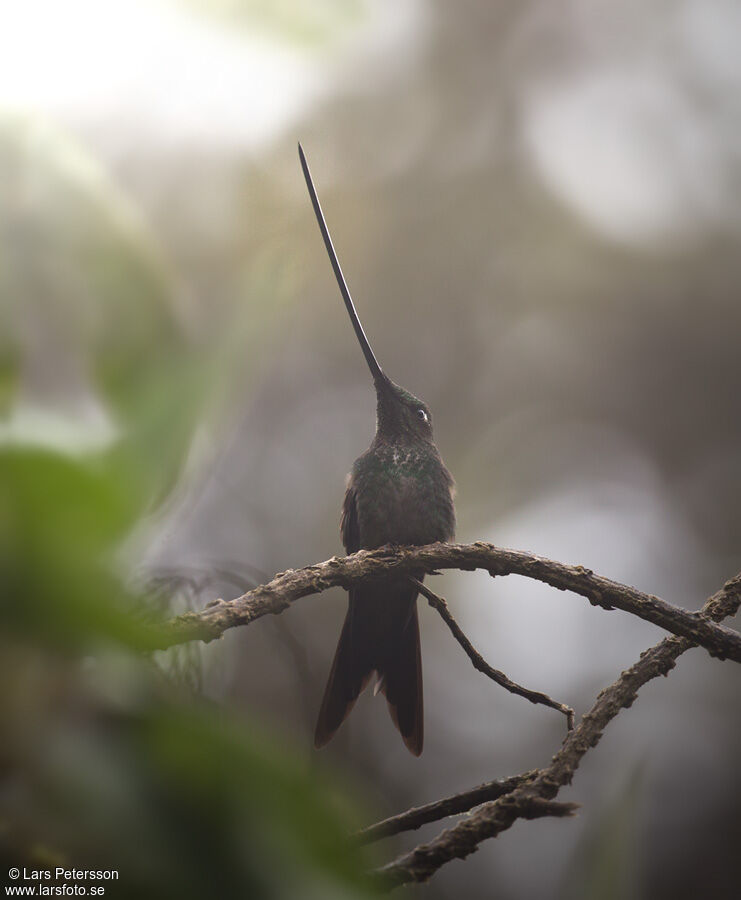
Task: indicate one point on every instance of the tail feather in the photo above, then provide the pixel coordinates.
(381, 634)
(402, 685)
(349, 675)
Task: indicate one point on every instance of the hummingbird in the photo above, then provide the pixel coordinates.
(398, 492)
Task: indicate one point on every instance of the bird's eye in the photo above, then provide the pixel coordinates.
(422, 414)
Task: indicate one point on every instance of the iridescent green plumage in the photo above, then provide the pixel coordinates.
(403, 490)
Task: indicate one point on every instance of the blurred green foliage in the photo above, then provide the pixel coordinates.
(60, 520)
(105, 761)
(309, 23)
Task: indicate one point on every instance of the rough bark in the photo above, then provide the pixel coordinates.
(366, 565)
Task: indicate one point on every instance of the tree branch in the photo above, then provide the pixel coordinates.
(482, 665)
(450, 806)
(494, 817)
(367, 565)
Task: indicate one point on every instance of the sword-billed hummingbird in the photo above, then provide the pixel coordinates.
(398, 492)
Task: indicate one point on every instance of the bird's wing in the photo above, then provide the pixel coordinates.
(380, 634)
(349, 528)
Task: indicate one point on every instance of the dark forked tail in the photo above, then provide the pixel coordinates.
(380, 634)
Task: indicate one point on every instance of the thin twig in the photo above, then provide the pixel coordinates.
(482, 665)
(367, 565)
(450, 806)
(493, 818)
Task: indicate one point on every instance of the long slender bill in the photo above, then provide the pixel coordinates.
(364, 344)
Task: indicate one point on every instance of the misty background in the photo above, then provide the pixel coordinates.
(537, 208)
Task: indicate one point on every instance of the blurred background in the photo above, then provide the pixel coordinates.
(537, 206)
